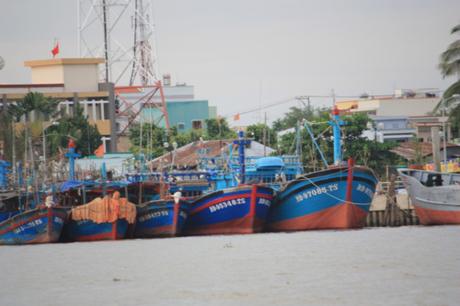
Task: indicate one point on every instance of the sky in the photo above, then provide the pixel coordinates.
(243, 54)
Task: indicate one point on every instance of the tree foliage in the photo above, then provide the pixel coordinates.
(77, 127)
(365, 152)
(218, 129)
(449, 64)
(257, 131)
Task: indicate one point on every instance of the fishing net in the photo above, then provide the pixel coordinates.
(107, 209)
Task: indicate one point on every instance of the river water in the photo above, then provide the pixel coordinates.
(379, 266)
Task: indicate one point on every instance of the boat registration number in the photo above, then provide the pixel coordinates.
(315, 192)
(365, 190)
(27, 225)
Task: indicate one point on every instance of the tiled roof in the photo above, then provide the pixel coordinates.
(408, 150)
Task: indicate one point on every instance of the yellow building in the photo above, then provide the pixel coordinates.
(71, 81)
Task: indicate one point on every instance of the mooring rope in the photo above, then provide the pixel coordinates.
(333, 196)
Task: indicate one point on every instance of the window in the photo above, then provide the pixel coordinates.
(197, 124)
(181, 126)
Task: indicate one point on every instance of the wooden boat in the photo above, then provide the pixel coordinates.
(239, 210)
(38, 225)
(101, 219)
(336, 198)
(161, 218)
(434, 195)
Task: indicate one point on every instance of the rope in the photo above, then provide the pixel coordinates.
(333, 196)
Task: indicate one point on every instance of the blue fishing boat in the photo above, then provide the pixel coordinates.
(161, 218)
(239, 210)
(335, 198)
(101, 219)
(38, 225)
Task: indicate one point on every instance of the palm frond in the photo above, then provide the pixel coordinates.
(453, 89)
(452, 52)
(455, 29)
(450, 68)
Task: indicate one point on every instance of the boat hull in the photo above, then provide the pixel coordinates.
(330, 199)
(39, 225)
(239, 210)
(434, 205)
(87, 230)
(162, 218)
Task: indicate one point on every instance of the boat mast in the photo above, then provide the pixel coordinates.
(72, 156)
(241, 142)
(336, 123)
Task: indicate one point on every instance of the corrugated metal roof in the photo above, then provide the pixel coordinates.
(408, 150)
(189, 154)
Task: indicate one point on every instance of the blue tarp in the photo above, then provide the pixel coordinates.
(67, 185)
(269, 163)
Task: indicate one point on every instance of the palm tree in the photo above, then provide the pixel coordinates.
(42, 106)
(449, 64)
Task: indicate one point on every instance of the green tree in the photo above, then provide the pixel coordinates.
(257, 131)
(297, 114)
(365, 152)
(77, 127)
(218, 129)
(449, 64)
(43, 108)
(153, 138)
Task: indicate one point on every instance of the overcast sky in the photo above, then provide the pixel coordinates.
(240, 54)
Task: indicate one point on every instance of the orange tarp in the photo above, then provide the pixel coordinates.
(107, 209)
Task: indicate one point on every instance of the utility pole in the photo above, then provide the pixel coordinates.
(265, 134)
(106, 43)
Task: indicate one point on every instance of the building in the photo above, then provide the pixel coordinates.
(389, 128)
(403, 103)
(398, 117)
(71, 81)
(423, 124)
(184, 111)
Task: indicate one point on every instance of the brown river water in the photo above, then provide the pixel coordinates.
(379, 266)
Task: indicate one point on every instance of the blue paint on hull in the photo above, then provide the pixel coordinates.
(319, 191)
(87, 230)
(158, 219)
(230, 209)
(39, 225)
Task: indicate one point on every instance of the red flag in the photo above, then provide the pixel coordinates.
(55, 50)
(100, 151)
(236, 117)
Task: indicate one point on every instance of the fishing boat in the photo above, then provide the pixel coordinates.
(38, 225)
(338, 197)
(238, 210)
(434, 195)
(105, 218)
(161, 218)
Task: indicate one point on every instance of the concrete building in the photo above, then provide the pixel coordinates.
(402, 103)
(398, 117)
(71, 81)
(389, 128)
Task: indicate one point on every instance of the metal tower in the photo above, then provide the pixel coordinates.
(106, 28)
(142, 66)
